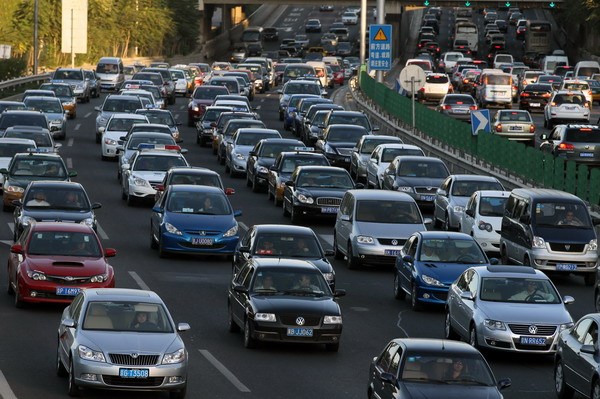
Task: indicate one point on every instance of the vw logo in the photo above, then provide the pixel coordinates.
(202, 232)
(135, 355)
(69, 278)
(300, 321)
(394, 242)
(568, 247)
(587, 147)
(533, 329)
(429, 188)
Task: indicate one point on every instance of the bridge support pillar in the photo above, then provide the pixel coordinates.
(226, 17)
(206, 23)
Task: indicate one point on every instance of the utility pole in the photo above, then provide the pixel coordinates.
(35, 37)
(380, 21)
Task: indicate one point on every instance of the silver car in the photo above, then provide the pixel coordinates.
(506, 308)
(362, 152)
(243, 141)
(121, 339)
(381, 157)
(55, 114)
(453, 195)
(114, 103)
(372, 225)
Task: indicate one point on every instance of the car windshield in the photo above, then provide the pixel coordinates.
(583, 135)
(7, 120)
(42, 139)
(121, 124)
(127, 316)
(422, 169)
(68, 75)
(287, 246)
(136, 141)
(63, 243)
(356, 120)
(198, 203)
(492, 206)
(302, 88)
(196, 179)
(8, 150)
(518, 289)
(162, 118)
(515, 116)
(290, 163)
(271, 150)
(328, 179)
(318, 118)
(391, 153)
(452, 251)
(568, 99)
(208, 92)
(56, 198)
(252, 139)
(468, 187)
(157, 163)
(370, 144)
(44, 105)
(397, 212)
(38, 168)
(439, 368)
(142, 127)
(564, 215)
(345, 135)
(121, 105)
(285, 281)
(576, 86)
(459, 100)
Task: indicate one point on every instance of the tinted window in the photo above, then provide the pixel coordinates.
(391, 153)
(422, 169)
(64, 244)
(198, 203)
(583, 135)
(328, 179)
(492, 206)
(399, 212)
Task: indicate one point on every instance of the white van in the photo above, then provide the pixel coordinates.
(111, 73)
(552, 61)
(586, 68)
(495, 87)
(320, 71)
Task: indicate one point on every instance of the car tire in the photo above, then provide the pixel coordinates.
(227, 168)
(473, 336)
(153, 243)
(337, 254)
(19, 304)
(294, 216)
(280, 115)
(285, 211)
(190, 122)
(596, 390)
(232, 327)
(414, 303)
(249, 342)
(589, 279)
(98, 138)
(255, 186)
(399, 293)
(332, 347)
(73, 390)
(129, 199)
(446, 224)
(351, 261)
(563, 391)
(449, 332)
(61, 370)
(178, 394)
(162, 253)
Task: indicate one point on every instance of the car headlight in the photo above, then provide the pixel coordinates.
(332, 320)
(138, 181)
(176, 357)
(485, 226)
(108, 141)
(265, 317)
(593, 245)
(99, 278)
(195, 108)
(565, 326)
(328, 276)
(14, 189)
(88, 222)
(68, 103)
(56, 122)
(458, 209)
(305, 199)
(232, 231)
(365, 240)
(241, 157)
(405, 189)
(431, 281)
(538, 242)
(494, 324)
(27, 220)
(89, 354)
(102, 120)
(330, 150)
(36, 275)
(172, 229)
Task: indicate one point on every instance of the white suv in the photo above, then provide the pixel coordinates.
(566, 106)
(437, 85)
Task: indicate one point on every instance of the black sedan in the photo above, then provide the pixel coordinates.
(262, 157)
(283, 241)
(535, 96)
(315, 191)
(338, 141)
(424, 368)
(284, 300)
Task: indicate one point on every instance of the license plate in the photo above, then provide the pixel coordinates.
(459, 111)
(134, 373)
(569, 267)
(571, 108)
(202, 241)
(392, 252)
(427, 197)
(299, 332)
(534, 104)
(515, 128)
(347, 159)
(329, 209)
(533, 341)
(67, 291)
(586, 154)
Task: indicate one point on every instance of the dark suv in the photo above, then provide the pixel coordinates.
(579, 143)
(76, 78)
(169, 82)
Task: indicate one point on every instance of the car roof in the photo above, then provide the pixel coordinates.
(196, 188)
(382, 195)
(493, 193)
(38, 155)
(192, 170)
(121, 294)
(418, 158)
(56, 184)
(283, 262)
(279, 228)
(280, 140)
(22, 112)
(473, 178)
(547, 194)
(322, 168)
(399, 145)
(431, 344)
(509, 271)
(444, 235)
(61, 226)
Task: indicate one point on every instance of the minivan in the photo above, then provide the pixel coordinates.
(494, 87)
(586, 68)
(111, 73)
(320, 71)
(550, 230)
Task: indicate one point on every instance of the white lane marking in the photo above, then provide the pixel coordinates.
(258, 108)
(70, 142)
(226, 373)
(400, 321)
(328, 238)
(243, 226)
(87, 115)
(181, 107)
(101, 232)
(77, 126)
(70, 163)
(11, 226)
(139, 281)
(176, 116)
(5, 391)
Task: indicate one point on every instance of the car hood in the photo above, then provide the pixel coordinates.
(150, 175)
(57, 265)
(443, 272)
(566, 234)
(417, 390)
(526, 313)
(188, 221)
(128, 342)
(23, 181)
(53, 215)
(266, 161)
(324, 192)
(459, 201)
(242, 149)
(295, 304)
(388, 230)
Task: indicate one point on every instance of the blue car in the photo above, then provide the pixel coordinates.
(194, 220)
(289, 112)
(430, 261)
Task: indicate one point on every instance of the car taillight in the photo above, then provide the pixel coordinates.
(553, 104)
(465, 80)
(499, 128)
(566, 146)
(445, 107)
(546, 95)
(531, 128)
(525, 94)
(473, 107)
(422, 89)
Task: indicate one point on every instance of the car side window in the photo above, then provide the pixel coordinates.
(472, 204)
(446, 185)
(580, 331)
(395, 363)
(472, 281)
(413, 243)
(520, 209)
(555, 134)
(510, 207)
(242, 274)
(591, 335)
(461, 283)
(385, 359)
(344, 205)
(75, 308)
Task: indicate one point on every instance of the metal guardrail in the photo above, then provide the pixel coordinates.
(9, 84)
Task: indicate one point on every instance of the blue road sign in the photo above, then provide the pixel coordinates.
(480, 120)
(380, 47)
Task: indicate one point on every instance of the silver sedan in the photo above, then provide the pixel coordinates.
(121, 339)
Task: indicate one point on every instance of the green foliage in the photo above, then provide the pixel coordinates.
(12, 68)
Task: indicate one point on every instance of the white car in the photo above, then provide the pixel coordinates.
(437, 85)
(577, 84)
(349, 18)
(11, 146)
(482, 218)
(181, 83)
(382, 156)
(448, 60)
(117, 126)
(566, 106)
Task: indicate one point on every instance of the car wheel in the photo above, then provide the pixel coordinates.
(449, 332)
(332, 347)
(231, 325)
(446, 225)
(9, 288)
(436, 222)
(98, 138)
(563, 391)
(162, 253)
(73, 389)
(596, 390)
(255, 186)
(178, 394)
(285, 211)
(280, 115)
(589, 279)
(249, 342)
(473, 336)
(190, 122)
(294, 215)
(337, 254)
(351, 261)
(153, 243)
(414, 303)
(227, 168)
(19, 304)
(61, 371)
(130, 200)
(398, 291)
(504, 256)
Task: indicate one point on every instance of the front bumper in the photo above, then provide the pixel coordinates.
(377, 254)
(549, 260)
(488, 241)
(316, 210)
(109, 150)
(277, 332)
(432, 295)
(142, 192)
(183, 244)
(35, 291)
(509, 341)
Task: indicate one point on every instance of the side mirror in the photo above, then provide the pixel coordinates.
(96, 205)
(183, 327)
(229, 191)
(407, 259)
(240, 288)
(544, 137)
(289, 183)
(244, 249)
(16, 249)
(72, 173)
(213, 124)
(359, 185)
(57, 145)
(505, 383)
(110, 252)
(4, 171)
(441, 192)
(273, 168)
(98, 108)
(183, 151)
(237, 213)
(252, 153)
(375, 128)
(468, 295)
(157, 209)
(567, 300)
(494, 261)
(387, 377)
(125, 166)
(427, 221)
(69, 323)
(470, 212)
(101, 129)
(339, 293)
(17, 203)
(345, 218)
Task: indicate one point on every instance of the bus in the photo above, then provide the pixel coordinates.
(467, 31)
(538, 37)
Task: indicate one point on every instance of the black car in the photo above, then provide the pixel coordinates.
(284, 300)
(285, 164)
(303, 107)
(270, 34)
(579, 143)
(262, 157)
(412, 368)
(356, 118)
(311, 127)
(15, 117)
(226, 126)
(337, 142)
(315, 191)
(535, 96)
(280, 241)
(56, 201)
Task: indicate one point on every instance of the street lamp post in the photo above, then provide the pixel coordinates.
(35, 37)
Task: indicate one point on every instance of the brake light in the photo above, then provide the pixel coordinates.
(546, 95)
(473, 107)
(445, 107)
(585, 129)
(531, 128)
(422, 89)
(499, 128)
(465, 80)
(525, 94)
(566, 146)
(553, 104)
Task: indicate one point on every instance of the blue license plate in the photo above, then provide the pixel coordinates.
(540, 341)
(392, 252)
(586, 154)
(299, 332)
(569, 267)
(202, 241)
(134, 373)
(67, 291)
(427, 197)
(329, 209)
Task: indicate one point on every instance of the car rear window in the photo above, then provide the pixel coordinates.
(458, 100)
(577, 99)
(436, 79)
(498, 80)
(586, 134)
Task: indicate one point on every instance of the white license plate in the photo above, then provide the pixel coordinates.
(391, 252)
(569, 267)
(202, 241)
(67, 291)
(329, 209)
(535, 104)
(540, 341)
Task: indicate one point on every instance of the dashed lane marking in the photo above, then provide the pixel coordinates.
(101, 232)
(328, 238)
(226, 373)
(87, 115)
(139, 281)
(176, 116)
(77, 126)
(243, 226)
(70, 142)
(70, 163)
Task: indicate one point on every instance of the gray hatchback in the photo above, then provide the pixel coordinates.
(579, 143)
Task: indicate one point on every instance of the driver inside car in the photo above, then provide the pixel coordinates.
(531, 293)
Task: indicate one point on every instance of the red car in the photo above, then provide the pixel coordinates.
(202, 97)
(338, 74)
(53, 261)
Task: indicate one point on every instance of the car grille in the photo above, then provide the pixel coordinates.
(68, 280)
(426, 190)
(290, 320)
(388, 241)
(560, 247)
(203, 233)
(523, 329)
(136, 382)
(329, 201)
(125, 359)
